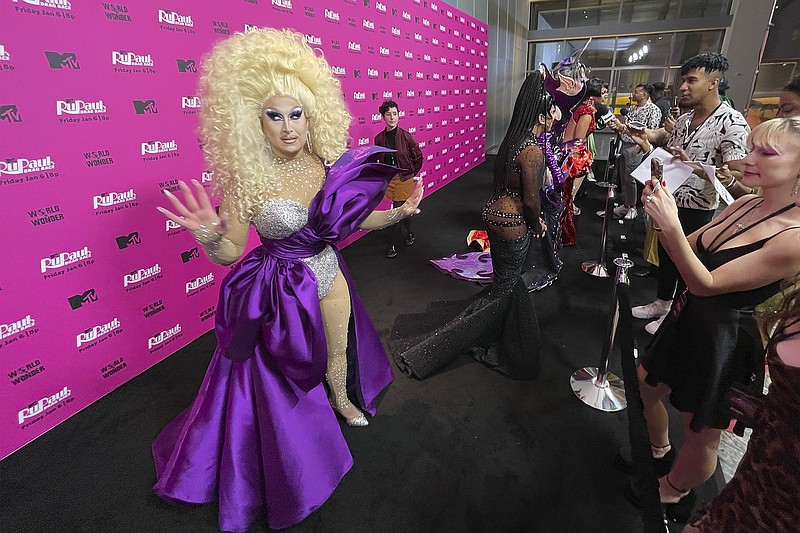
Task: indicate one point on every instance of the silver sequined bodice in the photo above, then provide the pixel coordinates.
(279, 219)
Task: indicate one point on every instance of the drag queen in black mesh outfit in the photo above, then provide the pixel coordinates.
(497, 326)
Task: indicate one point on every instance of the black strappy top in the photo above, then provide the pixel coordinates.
(712, 257)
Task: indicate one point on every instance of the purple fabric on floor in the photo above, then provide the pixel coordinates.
(471, 266)
(261, 436)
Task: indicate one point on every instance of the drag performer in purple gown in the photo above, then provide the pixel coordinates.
(262, 435)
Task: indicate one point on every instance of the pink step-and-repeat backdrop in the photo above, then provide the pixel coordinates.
(98, 115)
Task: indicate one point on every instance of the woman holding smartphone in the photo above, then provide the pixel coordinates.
(709, 339)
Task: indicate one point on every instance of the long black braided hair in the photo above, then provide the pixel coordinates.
(532, 101)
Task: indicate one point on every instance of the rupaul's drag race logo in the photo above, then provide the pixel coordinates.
(141, 277)
(18, 329)
(163, 338)
(36, 411)
(154, 150)
(109, 202)
(66, 262)
(198, 285)
(175, 22)
(91, 337)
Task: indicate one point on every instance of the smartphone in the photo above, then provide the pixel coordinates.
(675, 111)
(656, 170)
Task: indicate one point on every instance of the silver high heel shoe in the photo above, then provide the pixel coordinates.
(340, 382)
(359, 421)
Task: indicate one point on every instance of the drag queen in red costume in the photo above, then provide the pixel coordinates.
(579, 158)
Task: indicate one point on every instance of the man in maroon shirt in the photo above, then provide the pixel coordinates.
(409, 158)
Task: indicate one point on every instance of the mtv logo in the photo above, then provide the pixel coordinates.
(145, 106)
(65, 60)
(10, 113)
(188, 255)
(128, 240)
(357, 73)
(186, 65)
(75, 302)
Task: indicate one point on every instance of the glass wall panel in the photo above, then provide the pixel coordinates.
(704, 8)
(600, 52)
(595, 14)
(627, 79)
(548, 53)
(689, 44)
(649, 10)
(602, 73)
(548, 15)
(643, 50)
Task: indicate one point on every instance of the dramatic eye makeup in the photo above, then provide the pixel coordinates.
(273, 114)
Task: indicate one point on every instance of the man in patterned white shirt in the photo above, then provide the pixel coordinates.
(644, 113)
(712, 133)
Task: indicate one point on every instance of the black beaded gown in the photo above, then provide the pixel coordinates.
(497, 326)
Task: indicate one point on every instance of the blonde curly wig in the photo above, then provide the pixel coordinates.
(239, 74)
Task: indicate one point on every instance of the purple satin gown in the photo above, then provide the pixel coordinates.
(261, 435)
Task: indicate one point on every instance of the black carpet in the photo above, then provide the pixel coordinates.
(466, 450)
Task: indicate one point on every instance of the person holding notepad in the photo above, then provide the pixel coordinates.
(712, 133)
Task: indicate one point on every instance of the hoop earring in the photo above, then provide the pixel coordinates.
(308, 143)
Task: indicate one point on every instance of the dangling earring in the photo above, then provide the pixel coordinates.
(796, 186)
(308, 143)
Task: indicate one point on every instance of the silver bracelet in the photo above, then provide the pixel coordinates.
(207, 235)
(730, 183)
(392, 214)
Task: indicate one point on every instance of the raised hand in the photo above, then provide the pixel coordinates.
(681, 154)
(195, 213)
(669, 123)
(640, 138)
(659, 204)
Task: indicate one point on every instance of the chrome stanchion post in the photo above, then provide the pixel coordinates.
(598, 268)
(596, 386)
(611, 156)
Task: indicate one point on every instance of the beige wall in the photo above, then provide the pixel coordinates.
(508, 33)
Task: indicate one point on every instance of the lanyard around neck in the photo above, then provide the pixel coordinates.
(688, 138)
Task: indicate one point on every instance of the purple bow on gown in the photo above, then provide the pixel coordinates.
(261, 435)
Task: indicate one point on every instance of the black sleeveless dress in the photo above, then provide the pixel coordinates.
(706, 344)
